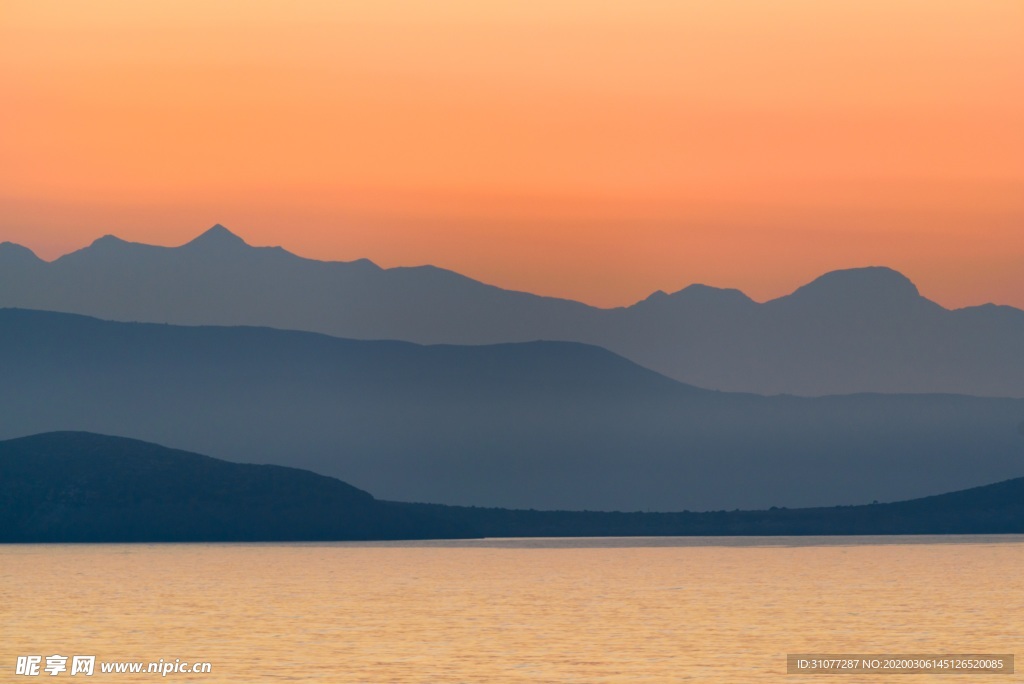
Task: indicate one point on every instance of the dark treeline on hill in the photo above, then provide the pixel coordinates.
(992, 509)
(81, 487)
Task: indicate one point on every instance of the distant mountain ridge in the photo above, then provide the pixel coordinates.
(546, 425)
(859, 330)
(80, 487)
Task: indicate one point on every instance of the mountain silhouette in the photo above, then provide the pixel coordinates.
(12, 255)
(860, 286)
(547, 425)
(216, 238)
(81, 487)
(857, 330)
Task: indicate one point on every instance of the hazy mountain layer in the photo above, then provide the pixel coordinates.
(849, 331)
(76, 487)
(536, 425)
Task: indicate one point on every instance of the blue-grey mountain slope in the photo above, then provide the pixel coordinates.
(862, 330)
(534, 425)
(82, 487)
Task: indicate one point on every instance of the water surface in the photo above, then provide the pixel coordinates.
(524, 610)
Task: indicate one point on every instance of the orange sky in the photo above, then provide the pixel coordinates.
(594, 150)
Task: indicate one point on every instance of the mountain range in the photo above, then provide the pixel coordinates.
(80, 487)
(852, 331)
(545, 425)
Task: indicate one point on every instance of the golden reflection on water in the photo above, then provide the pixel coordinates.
(648, 610)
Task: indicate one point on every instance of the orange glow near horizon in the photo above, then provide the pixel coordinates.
(597, 151)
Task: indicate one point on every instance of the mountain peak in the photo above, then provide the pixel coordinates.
(697, 294)
(107, 240)
(701, 292)
(867, 284)
(217, 237)
(16, 254)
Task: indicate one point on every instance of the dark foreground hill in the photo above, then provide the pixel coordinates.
(80, 487)
(535, 425)
(859, 330)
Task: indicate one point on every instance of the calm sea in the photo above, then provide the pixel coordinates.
(567, 610)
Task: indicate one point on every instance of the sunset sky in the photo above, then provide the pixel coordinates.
(592, 150)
